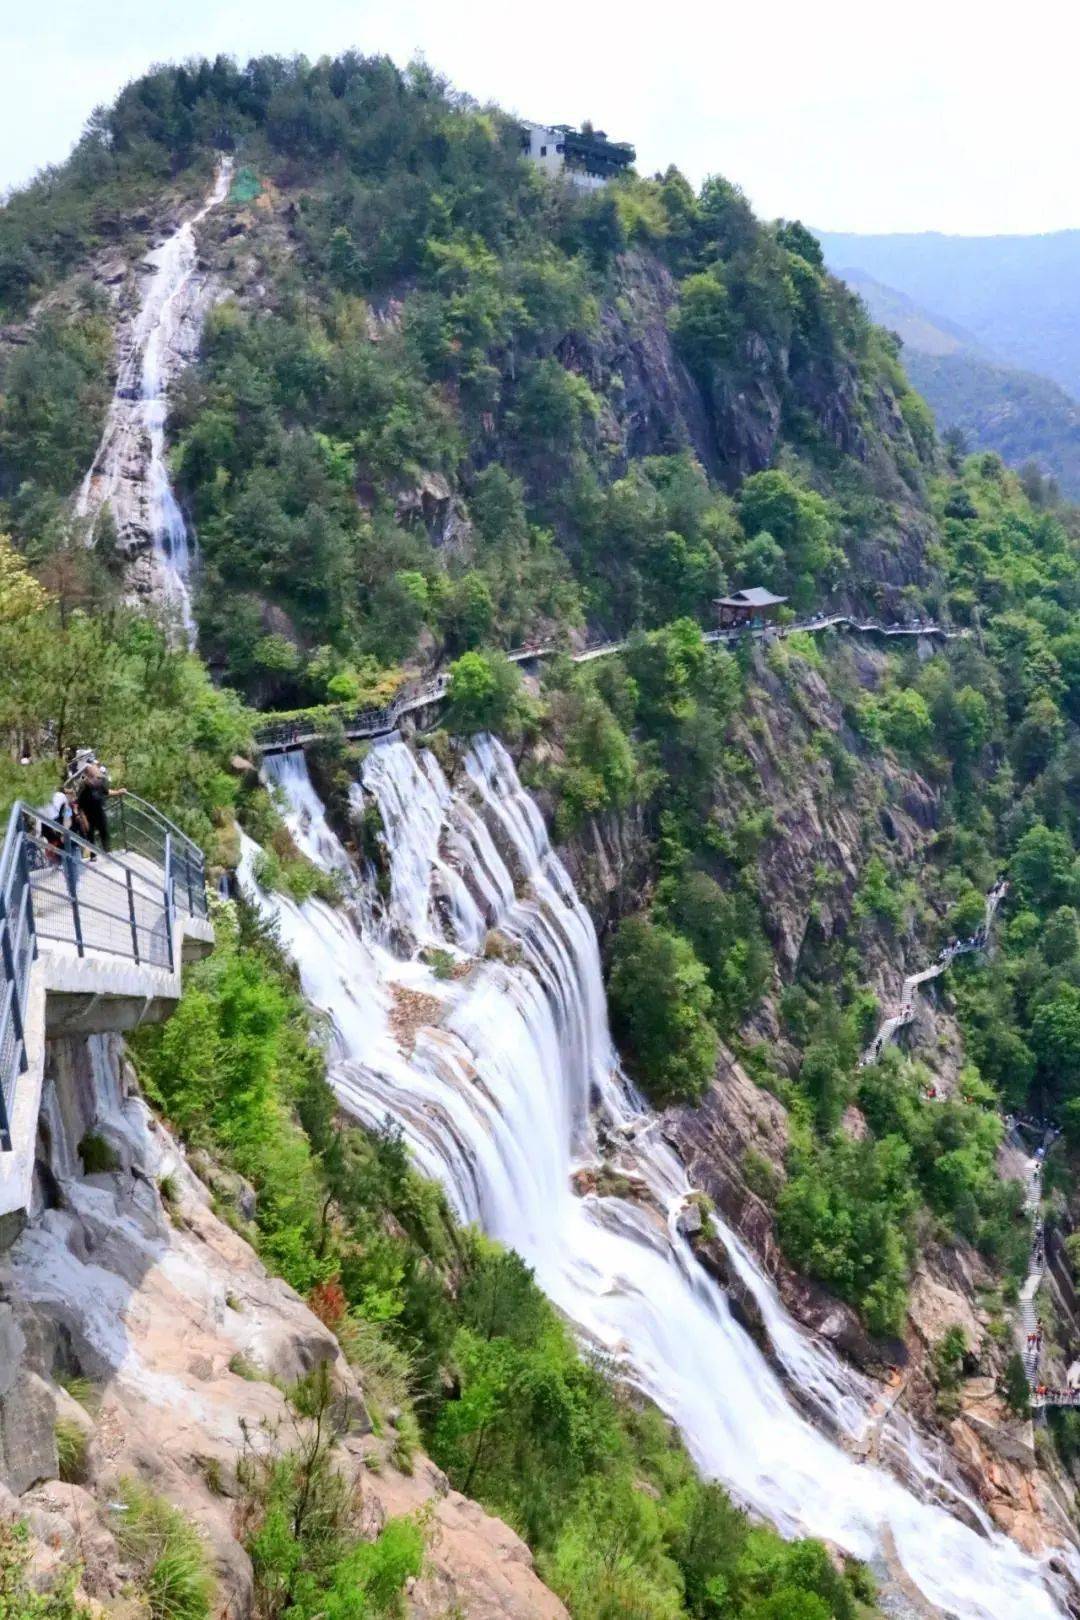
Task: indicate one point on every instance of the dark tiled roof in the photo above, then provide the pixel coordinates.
(753, 596)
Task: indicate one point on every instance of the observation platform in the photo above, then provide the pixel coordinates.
(90, 943)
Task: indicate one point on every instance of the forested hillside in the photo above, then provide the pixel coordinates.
(444, 407)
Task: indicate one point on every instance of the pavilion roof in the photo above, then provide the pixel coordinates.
(752, 596)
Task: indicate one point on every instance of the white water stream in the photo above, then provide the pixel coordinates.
(504, 1095)
(130, 472)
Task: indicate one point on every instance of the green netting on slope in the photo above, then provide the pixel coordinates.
(246, 187)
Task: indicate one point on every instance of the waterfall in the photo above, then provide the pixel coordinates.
(130, 471)
(505, 1092)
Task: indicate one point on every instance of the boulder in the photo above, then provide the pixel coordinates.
(27, 1432)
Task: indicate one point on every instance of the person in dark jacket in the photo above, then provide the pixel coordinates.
(94, 795)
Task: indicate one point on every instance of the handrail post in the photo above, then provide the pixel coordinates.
(28, 888)
(9, 974)
(131, 915)
(168, 898)
(70, 857)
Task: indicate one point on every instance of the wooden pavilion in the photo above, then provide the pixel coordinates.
(751, 609)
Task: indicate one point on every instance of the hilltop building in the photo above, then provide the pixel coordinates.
(585, 156)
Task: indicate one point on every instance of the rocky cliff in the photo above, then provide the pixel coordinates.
(129, 1290)
(822, 828)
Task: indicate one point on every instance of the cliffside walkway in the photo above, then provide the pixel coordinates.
(905, 1013)
(89, 942)
(1028, 1327)
(357, 724)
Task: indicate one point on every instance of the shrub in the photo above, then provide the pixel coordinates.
(845, 1217)
(441, 962)
(97, 1155)
(168, 1554)
(301, 1517)
(660, 1007)
(82, 1390)
(484, 693)
(406, 1441)
(759, 1175)
(72, 1444)
(1014, 1386)
(725, 930)
(19, 1599)
(242, 1366)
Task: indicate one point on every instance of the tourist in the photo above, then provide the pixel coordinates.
(61, 811)
(93, 797)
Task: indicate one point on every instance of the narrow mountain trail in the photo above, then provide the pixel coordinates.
(905, 1013)
(1028, 1327)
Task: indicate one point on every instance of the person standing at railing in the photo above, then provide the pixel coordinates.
(94, 795)
(61, 810)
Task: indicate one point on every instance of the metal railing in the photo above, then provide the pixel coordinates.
(354, 722)
(56, 886)
(310, 727)
(18, 948)
(136, 825)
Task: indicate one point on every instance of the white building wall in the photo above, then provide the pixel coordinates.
(543, 149)
(544, 144)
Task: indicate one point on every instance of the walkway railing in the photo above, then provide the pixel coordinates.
(55, 886)
(135, 825)
(281, 734)
(17, 951)
(358, 723)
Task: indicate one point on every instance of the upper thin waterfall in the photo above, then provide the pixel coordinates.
(505, 1094)
(130, 471)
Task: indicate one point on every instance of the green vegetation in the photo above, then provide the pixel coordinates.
(56, 389)
(432, 361)
(71, 1449)
(434, 438)
(484, 694)
(602, 1488)
(97, 1155)
(660, 1002)
(168, 1555)
(1025, 418)
(19, 1599)
(82, 1390)
(300, 1518)
(152, 714)
(1015, 1388)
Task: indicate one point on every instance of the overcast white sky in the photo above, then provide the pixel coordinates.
(929, 114)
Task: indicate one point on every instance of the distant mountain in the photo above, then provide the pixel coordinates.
(1023, 416)
(916, 327)
(1019, 296)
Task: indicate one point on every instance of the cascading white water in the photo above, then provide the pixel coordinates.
(130, 472)
(504, 1095)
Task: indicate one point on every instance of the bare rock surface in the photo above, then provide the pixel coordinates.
(181, 1328)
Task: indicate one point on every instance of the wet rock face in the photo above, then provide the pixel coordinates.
(715, 1140)
(609, 865)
